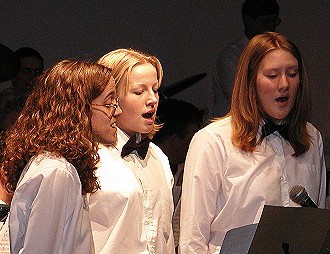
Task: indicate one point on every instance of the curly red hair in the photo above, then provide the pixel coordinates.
(56, 118)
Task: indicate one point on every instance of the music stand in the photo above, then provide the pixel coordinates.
(288, 230)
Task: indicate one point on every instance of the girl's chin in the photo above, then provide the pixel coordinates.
(143, 130)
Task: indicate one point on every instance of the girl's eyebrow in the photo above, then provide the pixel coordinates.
(110, 95)
(278, 68)
(137, 84)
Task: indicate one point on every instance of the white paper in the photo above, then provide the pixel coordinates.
(238, 240)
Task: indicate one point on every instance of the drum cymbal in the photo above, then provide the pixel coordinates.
(168, 91)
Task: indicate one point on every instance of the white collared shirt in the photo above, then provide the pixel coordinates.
(225, 187)
(132, 212)
(48, 213)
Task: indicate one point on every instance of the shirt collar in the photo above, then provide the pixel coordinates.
(123, 138)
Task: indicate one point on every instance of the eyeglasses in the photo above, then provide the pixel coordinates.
(35, 72)
(114, 104)
(268, 20)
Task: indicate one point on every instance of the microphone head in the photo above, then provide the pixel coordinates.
(298, 194)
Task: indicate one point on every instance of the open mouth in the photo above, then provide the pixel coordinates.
(148, 115)
(282, 99)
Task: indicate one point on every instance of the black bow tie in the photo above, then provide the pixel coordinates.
(270, 127)
(131, 145)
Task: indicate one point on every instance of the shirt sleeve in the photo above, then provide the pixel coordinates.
(322, 195)
(41, 208)
(200, 190)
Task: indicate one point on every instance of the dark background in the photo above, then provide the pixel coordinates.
(185, 35)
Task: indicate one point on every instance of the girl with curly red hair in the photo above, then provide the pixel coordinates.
(50, 156)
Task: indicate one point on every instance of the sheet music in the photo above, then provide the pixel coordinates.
(4, 238)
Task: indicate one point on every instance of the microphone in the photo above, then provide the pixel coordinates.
(298, 194)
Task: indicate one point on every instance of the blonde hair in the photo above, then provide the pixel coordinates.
(245, 109)
(121, 62)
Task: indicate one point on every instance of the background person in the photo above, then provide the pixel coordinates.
(258, 16)
(31, 66)
(9, 63)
